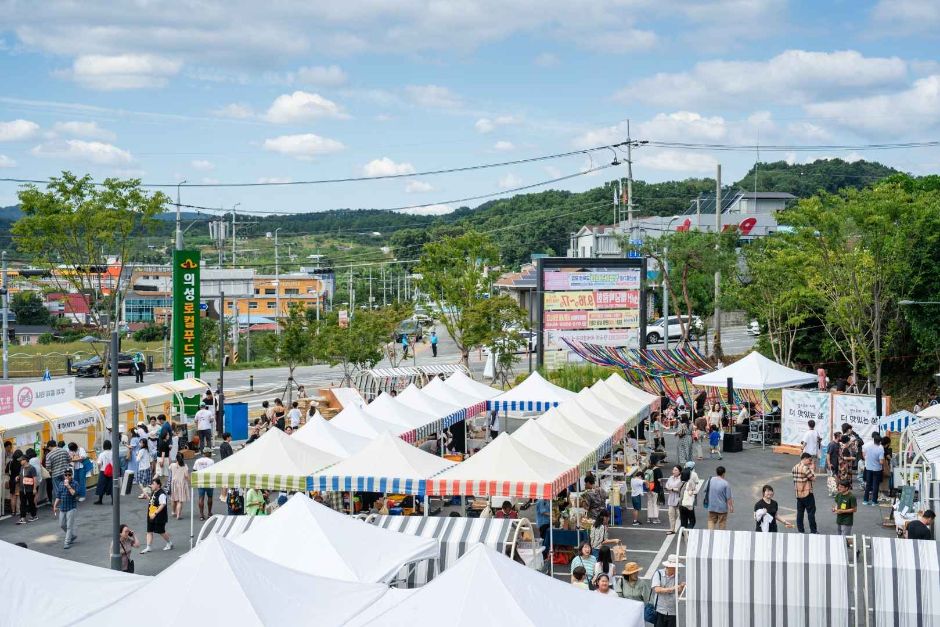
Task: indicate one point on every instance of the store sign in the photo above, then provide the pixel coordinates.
(20, 396)
(628, 278)
(857, 410)
(186, 333)
(573, 320)
(74, 423)
(801, 406)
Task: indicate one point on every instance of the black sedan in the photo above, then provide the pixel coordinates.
(91, 367)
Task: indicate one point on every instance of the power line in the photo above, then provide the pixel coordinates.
(792, 147)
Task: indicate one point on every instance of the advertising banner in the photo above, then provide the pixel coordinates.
(19, 396)
(627, 278)
(572, 320)
(618, 299)
(801, 406)
(859, 411)
(605, 337)
(186, 319)
(73, 423)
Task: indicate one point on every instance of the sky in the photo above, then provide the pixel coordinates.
(250, 92)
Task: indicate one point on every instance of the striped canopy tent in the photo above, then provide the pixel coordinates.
(415, 398)
(313, 539)
(598, 429)
(387, 464)
(539, 438)
(773, 579)
(355, 420)
(507, 468)
(275, 461)
(322, 434)
(898, 421)
(557, 421)
(631, 411)
(417, 424)
(603, 412)
(454, 535)
(905, 578)
(462, 383)
(533, 394)
(438, 388)
(251, 590)
(621, 386)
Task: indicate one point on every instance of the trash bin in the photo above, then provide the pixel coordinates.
(235, 420)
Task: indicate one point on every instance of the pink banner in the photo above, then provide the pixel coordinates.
(595, 280)
(574, 320)
(6, 399)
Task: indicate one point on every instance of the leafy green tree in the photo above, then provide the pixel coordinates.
(29, 309)
(76, 225)
(357, 346)
(150, 333)
(497, 322)
(292, 346)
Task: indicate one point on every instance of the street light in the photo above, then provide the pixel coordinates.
(179, 232)
(666, 286)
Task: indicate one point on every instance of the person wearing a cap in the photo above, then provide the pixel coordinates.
(65, 506)
(630, 586)
(665, 590)
(205, 494)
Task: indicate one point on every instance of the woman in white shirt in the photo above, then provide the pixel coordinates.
(714, 415)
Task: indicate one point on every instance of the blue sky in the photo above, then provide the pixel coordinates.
(247, 92)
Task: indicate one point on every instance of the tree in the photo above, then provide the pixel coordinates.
(29, 309)
(150, 333)
(357, 346)
(74, 226)
(497, 322)
(292, 346)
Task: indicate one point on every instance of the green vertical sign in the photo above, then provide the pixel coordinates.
(186, 361)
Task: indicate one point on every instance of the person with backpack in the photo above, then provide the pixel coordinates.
(105, 464)
(666, 590)
(688, 495)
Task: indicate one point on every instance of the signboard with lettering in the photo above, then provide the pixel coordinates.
(74, 423)
(858, 410)
(186, 319)
(627, 278)
(801, 406)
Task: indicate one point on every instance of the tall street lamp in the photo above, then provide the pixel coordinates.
(179, 230)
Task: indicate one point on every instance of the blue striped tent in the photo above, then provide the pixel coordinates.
(898, 421)
(535, 394)
(389, 485)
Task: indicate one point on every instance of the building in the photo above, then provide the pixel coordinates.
(75, 308)
(288, 289)
(28, 334)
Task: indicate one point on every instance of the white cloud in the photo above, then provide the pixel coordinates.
(546, 59)
(95, 152)
(791, 77)
(273, 179)
(906, 15)
(431, 210)
(122, 71)
(681, 125)
(678, 161)
(433, 96)
(327, 76)
(202, 164)
(235, 111)
(302, 106)
(17, 130)
(487, 125)
(905, 112)
(304, 146)
(84, 129)
(7, 162)
(510, 181)
(484, 125)
(386, 167)
(503, 146)
(418, 187)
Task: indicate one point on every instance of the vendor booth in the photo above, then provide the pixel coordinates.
(897, 422)
(533, 435)
(355, 420)
(535, 394)
(412, 425)
(491, 589)
(454, 536)
(749, 579)
(902, 582)
(622, 387)
(920, 466)
(462, 382)
(419, 400)
(372, 383)
(326, 436)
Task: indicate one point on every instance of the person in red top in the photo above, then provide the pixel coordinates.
(507, 511)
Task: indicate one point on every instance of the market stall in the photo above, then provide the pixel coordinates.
(438, 388)
(750, 578)
(920, 465)
(372, 383)
(631, 410)
(418, 400)
(462, 382)
(534, 394)
(902, 582)
(355, 420)
(501, 592)
(454, 537)
(313, 539)
(537, 437)
(326, 436)
(622, 387)
(595, 428)
(414, 425)
(897, 422)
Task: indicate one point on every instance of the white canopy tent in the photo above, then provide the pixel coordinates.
(462, 383)
(438, 388)
(604, 414)
(40, 589)
(556, 421)
(595, 428)
(933, 411)
(533, 394)
(356, 421)
(905, 588)
(624, 388)
(502, 592)
(755, 372)
(322, 434)
(631, 410)
(313, 539)
(416, 424)
(417, 399)
(221, 583)
(539, 438)
(387, 464)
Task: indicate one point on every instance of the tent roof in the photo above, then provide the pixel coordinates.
(187, 387)
(604, 414)
(506, 467)
(631, 410)
(274, 461)
(29, 576)
(438, 388)
(388, 408)
(755, 372)
(513, 594)
(462, 383)
(243, 584)
(387, 464)
(66, 409)
(152, 394)
(626, 389)
(320, 433)
(348, 396)
(596, 428)
(534, 391)
(558, 422)
(313, 539)
(416, 398)
(540, 439)
(905, 582)
(103, 402)
(932, 411)
(22, 421)
(354, 420)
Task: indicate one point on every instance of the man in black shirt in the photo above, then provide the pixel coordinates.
(225, 449)
(920, 529)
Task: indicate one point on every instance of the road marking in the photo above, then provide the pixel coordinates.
(660, 554)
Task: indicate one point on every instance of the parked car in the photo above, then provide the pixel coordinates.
(91, 367)
(656, 331)
(411, 327)
(423, 319)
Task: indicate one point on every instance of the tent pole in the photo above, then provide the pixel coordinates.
(551, 540)
(192, 515)
(426, 503)
(352, 503)
(865, 567)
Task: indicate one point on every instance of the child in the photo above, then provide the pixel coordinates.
(714, 440)
(637, 487)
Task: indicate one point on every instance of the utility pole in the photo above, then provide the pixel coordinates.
(115, 447)
(277, 286)
(716, 345)
(220, 417)
(6, 309)
(352, 303)
(666, 297)
(233, 233)
(629, 180)
(384, 291)
(698, 214)
(370, 287)
(179, 219)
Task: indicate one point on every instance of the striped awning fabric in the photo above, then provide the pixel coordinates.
(906, 578)
(897, 421)
(744, 578)
(226, 526)
(289, 483)
(369, 484)
(454, 418)
(456, 536)
(514, 489)
(520, 405)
